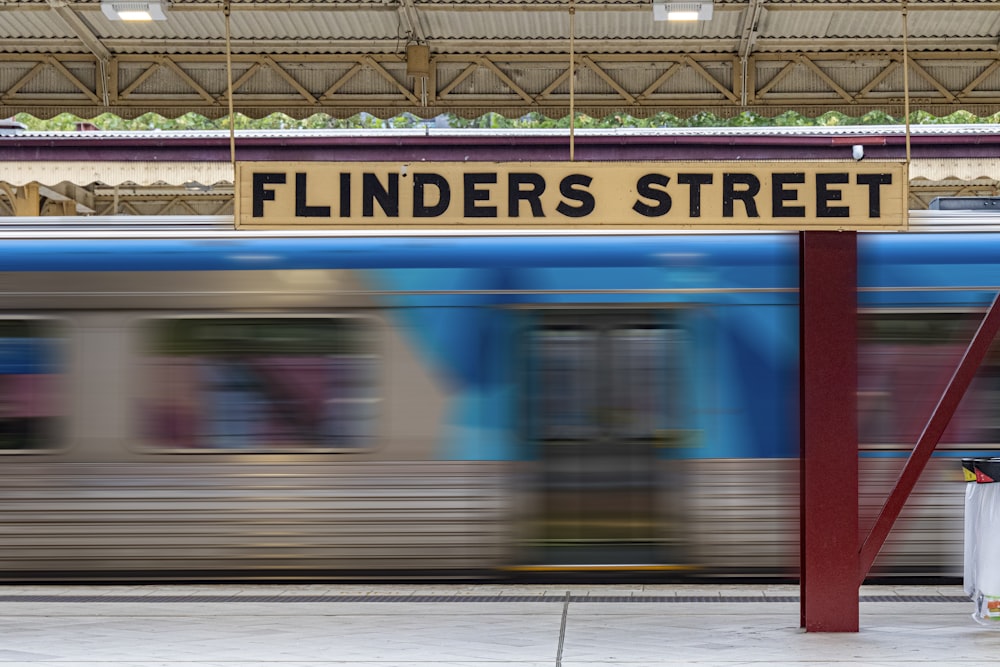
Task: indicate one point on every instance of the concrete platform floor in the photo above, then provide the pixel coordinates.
(467, 625)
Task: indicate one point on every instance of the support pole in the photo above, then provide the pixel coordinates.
(828, 472)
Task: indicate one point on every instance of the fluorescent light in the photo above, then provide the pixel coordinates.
(682, 10)
(681, 16)
(132, 10)
(135, 15)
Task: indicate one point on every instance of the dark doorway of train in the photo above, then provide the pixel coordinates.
(600, 420)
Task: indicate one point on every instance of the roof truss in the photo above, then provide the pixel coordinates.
(346, 56)
(641, 85)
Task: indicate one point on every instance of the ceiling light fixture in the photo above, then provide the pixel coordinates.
(130, 10)
(682, 10)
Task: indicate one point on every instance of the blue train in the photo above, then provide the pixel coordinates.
(216, 404)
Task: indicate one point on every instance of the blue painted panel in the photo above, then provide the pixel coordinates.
(320, 252)
(25, 356)
(751, 363)
(744, 331)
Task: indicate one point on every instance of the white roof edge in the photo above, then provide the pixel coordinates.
(797, 131)
(175, 174)
(222, 226)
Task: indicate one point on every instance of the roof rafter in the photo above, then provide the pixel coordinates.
(82, 30)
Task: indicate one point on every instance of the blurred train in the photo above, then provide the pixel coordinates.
(198, 403)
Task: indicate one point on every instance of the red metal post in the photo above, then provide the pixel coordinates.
(828, 472)
(936, 425)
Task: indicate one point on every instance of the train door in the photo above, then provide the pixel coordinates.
(599, 422)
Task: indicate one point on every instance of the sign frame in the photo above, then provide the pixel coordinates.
(643, 196)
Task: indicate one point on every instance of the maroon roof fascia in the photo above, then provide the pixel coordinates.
(493, 148)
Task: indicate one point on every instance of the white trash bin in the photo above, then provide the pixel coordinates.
(971, 514)
(985, 542)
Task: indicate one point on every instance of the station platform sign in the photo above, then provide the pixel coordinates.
(735, 196)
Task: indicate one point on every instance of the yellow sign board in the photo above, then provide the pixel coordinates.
(572, 195)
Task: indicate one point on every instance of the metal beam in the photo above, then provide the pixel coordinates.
(929, 438)
(82, 30)
(750, 28)
(411, 23)
(828, 462)
(24, 200)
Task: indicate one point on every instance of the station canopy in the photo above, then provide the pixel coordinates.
(513, 57)
(465, 58)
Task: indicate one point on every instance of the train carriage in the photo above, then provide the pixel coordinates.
(211, 404)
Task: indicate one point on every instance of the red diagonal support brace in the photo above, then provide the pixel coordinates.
(938, 422)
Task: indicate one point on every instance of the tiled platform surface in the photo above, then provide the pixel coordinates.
(487, 625)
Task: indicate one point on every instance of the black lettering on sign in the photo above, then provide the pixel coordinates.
(568, 189)
(873, 181)
(695, 181)
(824, 195)
(751, 186)
(260, 193)
(533, 195)
(387, 197)
(420, 208)
(474, 194)
(644, 186)
(779, 195)
(302, 209)
(345, 195)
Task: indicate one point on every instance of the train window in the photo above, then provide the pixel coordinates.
(644, 366)
(31, 409)
(603, 379)
(259, 383)
(904, 363)
(564, 359)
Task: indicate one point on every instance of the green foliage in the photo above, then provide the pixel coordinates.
(960, 117)
(995, 118)
(491, 120)
(62, 123)
(791, 119)
(880, 118)
(664, 119)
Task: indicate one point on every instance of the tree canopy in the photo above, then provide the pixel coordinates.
(533, 120)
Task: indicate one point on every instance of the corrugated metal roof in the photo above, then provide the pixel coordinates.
(875, 28)
(259, 26)
(954, 169)
(31, 25)
(176, 174)
(139, 174)
(339, 52)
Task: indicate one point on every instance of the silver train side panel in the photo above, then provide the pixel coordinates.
(102, 503)
(188, 518)
(744, 516)
(740, 518)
